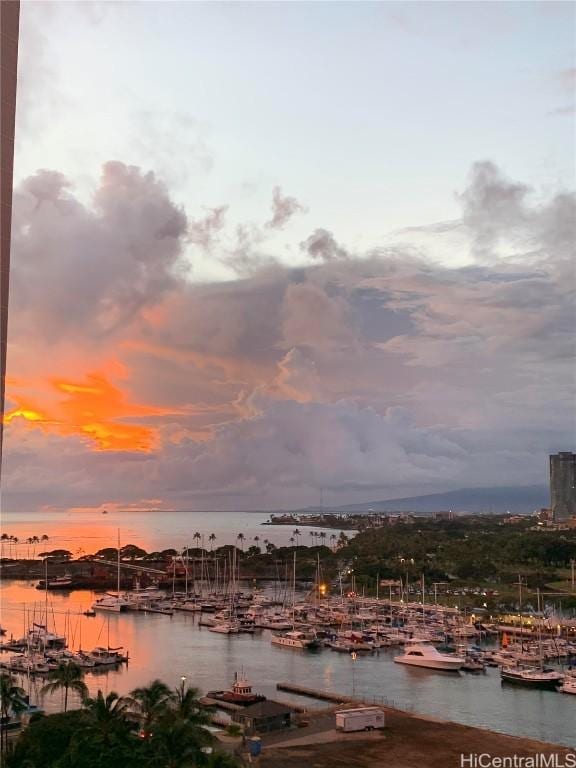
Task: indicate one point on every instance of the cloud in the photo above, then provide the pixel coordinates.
(321, 245)
(283, 209)
(370, 374)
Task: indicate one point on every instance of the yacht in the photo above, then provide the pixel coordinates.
(106, 656)
(531, 676)
(421, 653)
(295, 639)
(40, 636)
(58, 582)
(111, 603)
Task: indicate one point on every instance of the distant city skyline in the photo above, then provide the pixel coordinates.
(264, 249)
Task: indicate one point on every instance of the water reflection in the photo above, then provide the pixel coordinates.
(169, 647)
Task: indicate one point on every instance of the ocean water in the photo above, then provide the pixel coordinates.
(86, 532)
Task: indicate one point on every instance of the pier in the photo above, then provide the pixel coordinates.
(314, 693)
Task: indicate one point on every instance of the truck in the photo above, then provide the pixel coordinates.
(359, 719)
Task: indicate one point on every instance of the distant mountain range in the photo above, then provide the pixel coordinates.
(517, 499)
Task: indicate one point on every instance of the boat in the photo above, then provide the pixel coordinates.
(534, 677)
(421, 653)
(295, 639)
(58, 582)
(106, 656)
(40, 636)
(240, 694)
(569, 685)
(111, 603)
(226, 627)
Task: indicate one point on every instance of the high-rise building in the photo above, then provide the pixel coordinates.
(9, 25)
(563, 485)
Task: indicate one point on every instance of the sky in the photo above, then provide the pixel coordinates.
(264, 251)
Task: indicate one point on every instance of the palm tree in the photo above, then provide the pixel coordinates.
(241, 539)
(3, 538)
(151, 702)
(296, 533)
(186, 704)
(312, 534)
(291, 540)
(212, 539)
(15, 541)
(108, 715)
(12, 699)
(323, 536)
(257, 540)
(176, 743)
(333, 540)
(197, 536)
(68, 676)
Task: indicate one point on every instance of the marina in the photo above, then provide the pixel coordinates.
(129, 648)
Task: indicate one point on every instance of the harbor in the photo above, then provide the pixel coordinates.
(206, 643)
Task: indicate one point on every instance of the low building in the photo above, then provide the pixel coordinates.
(263, 717)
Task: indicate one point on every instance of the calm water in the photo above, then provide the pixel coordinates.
(86, 532)
(172, 647)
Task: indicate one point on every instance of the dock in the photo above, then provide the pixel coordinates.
(314, 693)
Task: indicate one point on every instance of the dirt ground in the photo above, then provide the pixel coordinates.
(407, 742)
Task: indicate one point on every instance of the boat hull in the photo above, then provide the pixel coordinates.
(543, 684)
(445, 665)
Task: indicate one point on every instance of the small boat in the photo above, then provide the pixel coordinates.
(106, 656)
(240, 694)
(421, 653)
(533, 677)
(569, 685)
(89, 612)
(226, 628)
(472, 664)
(59, 582)
(296, 639)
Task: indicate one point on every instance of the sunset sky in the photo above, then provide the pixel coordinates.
(261, 249)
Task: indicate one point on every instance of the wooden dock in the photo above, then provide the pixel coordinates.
(314, 693)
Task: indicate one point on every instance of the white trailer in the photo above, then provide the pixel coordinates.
(359, 719)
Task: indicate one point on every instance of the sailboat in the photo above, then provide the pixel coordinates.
(113, 603)
(294, 638)
(534, 677)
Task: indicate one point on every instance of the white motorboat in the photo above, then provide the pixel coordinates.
(421, 653)
(295, 639)
(111, 603)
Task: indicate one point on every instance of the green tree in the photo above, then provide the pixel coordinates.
(151, 702)
(67, 677)
(12, 702)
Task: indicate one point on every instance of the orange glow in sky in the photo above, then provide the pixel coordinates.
(96, 410)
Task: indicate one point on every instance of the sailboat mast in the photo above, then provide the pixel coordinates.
(294, 591)
(118, 574)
